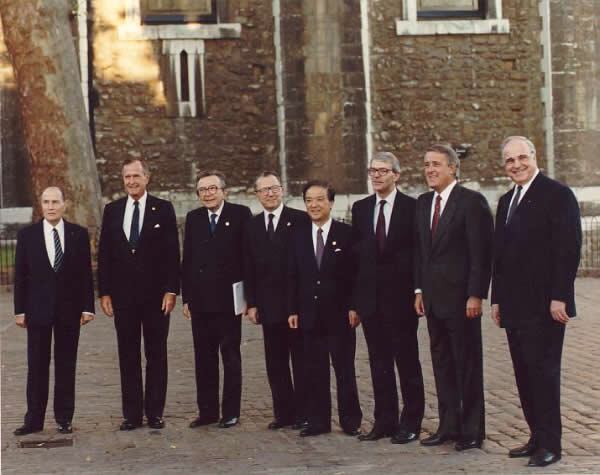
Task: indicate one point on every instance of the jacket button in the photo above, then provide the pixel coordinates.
(316, 297)
(133, 251)
(318, 282)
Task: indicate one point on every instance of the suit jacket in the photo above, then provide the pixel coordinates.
(211, 264)
(321, 297)
(393, 269)
(265, 269)
(144, 274)
(536, 255)
(44, 295)
(456, 263)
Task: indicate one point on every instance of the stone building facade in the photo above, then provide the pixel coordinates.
(310, 88)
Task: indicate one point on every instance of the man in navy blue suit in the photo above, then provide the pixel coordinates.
(54, 294)
(537, 245)
(321, 277)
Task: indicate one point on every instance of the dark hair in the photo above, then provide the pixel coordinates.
(320, 184)
(265, 174)
(129, 161)
(205, 173)
(450, 154)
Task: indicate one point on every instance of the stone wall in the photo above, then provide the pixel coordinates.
(575, 27)
(459, 89)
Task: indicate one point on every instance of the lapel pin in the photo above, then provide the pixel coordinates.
(153, 208)
(226, 223)
(333, 243)
(289, 224)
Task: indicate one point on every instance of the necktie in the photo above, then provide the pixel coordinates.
(271, 227)
(213, 223)
(380, 228)
(58, 253)
(436, 214)
(514, 204)
(134, 232)
(320, 247)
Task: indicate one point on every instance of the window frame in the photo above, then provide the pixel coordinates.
(178, 18)
(480, 13)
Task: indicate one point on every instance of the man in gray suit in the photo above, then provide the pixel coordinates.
(452, 275)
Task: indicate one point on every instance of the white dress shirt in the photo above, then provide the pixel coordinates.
(217, 212)
(387, 209)
(445, 194)
(129, 214)
(325, 227)
(524, 189)
(49, 239)
(276, 215)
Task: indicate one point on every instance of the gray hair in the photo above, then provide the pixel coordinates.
(389, 158)
(53, 188)
(520, 138)
(449, 152)
(266, 174)
(217, 173)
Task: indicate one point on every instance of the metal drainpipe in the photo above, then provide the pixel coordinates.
(279, 92)
(547, 99)
(366, 43)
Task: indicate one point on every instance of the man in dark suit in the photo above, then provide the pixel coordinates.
(454, 243)
(138, 279)
(54, 293)
(212, 263)
(537, 247)
(321, 273)
(383, 224)
(266, 254)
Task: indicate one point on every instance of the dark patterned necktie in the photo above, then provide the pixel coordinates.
(514, 204)
(436, 214)
(320, 247)
(271, 227)
(58, 252)
(134, 232)
(380, 228)
(213, 223)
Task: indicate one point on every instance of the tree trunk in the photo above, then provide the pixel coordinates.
(40, 44)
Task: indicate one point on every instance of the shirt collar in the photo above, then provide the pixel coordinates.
(217, 212)
(389, 198)
(277, 212)
(526, 186)
(325, 227)
(445, 194)
(60, 226)
(141, 201)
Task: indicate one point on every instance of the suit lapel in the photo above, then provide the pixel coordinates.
(369, 216)
(425, 219)
(394, 218)
(224, 218)
(527, 202)
(329, 244)
(149, 214)
(446, 216)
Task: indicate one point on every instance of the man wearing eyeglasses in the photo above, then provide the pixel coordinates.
(452, 275)
(537, 246)
(265, 278)
(383, 224)
(212, 263)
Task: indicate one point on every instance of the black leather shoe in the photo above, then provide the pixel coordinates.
(375, 434)
(436, 439)
(128, 425)
(65, 428)
(542, 457)
(27, 429)
(466, 444)
(227, 423)
(353, 432)
(300, 425)
(523, 451)
(156, 423)
(404, 436)
(203, 421)
(312, 431)
(277, 424)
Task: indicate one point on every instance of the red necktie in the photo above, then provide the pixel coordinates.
(436, 214)
(380, 228)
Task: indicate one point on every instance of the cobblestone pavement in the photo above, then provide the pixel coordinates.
(98, 447)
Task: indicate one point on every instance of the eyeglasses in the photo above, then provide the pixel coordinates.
(273, 189)
(378, 171)
(209, 190)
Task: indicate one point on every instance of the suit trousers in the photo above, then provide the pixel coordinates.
(536, 353)
(214, 332)
(282, 346)
(392, 341)
(319, 345)
(129, 324)
(457, 359)
(39, 341)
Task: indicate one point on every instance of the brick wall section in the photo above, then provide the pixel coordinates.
(575, 28)
(239, 132)
(324, 93)
(473, 89)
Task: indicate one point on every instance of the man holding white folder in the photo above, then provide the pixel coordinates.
(212, 266)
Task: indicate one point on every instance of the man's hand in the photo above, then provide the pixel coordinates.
(293, 321)
(353, 318)
(168, 303)
(20, 321)
(252, 314)
(419, 306)
(85, 318)
(186, 311)
(558, 310)
(496, 314)
(106, 304)
(473, 307)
